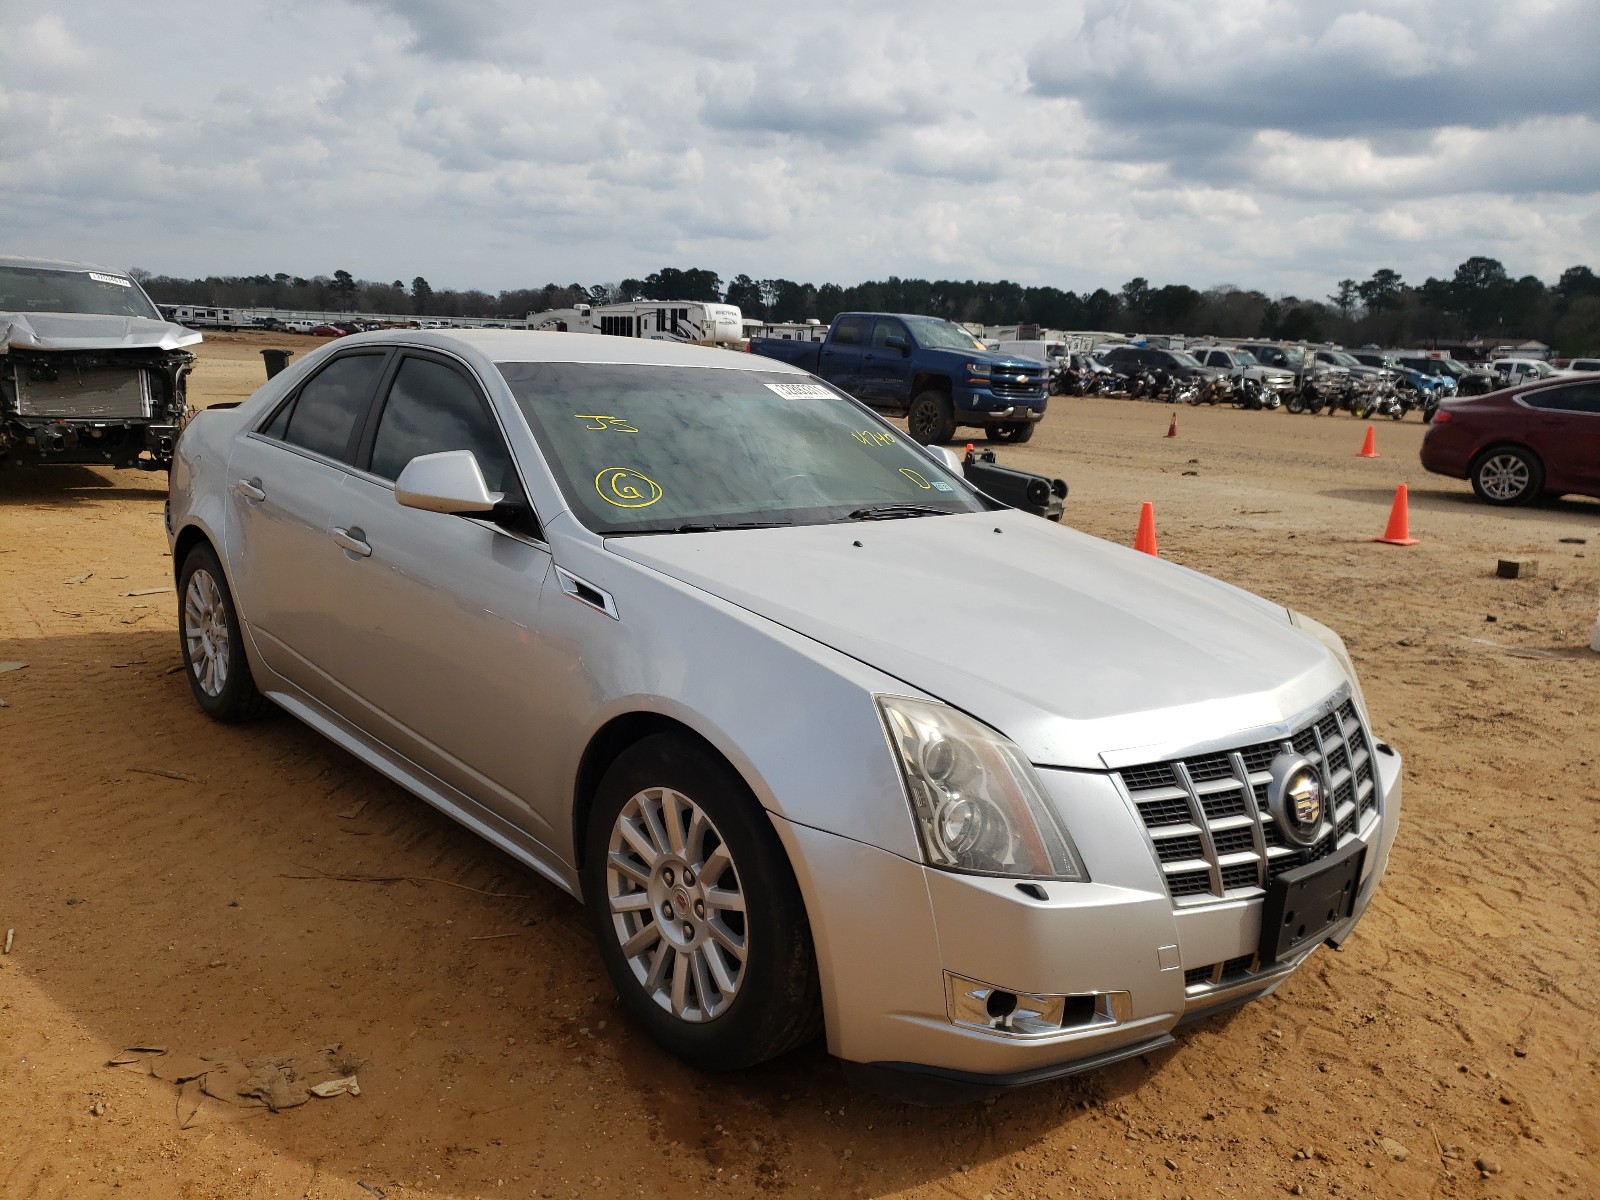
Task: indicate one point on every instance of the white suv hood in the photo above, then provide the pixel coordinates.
(1084, 653)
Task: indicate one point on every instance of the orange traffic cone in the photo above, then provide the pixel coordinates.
(1369, 448)
(1172, 430)
(1399, 531)
(1145, 539)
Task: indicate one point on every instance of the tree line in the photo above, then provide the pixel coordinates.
(1481, 300)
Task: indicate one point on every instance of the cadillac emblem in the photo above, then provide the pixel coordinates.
(1295, 799)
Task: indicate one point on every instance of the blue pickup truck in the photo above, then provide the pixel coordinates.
(931, 371)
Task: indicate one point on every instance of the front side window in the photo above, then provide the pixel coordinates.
(43, 290)
(433, 408)
(649, 449)
(883, 330)
(323, 417)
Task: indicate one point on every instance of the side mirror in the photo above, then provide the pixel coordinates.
(448, 482)
(945, 457)
(896, 342)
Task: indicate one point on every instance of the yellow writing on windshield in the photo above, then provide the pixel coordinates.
(916, 478)
(873, 437)
(627, 488)
(615, 424)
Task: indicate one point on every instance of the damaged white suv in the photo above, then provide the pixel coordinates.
(89, 370)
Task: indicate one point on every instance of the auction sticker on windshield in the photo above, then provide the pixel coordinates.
(801, 391)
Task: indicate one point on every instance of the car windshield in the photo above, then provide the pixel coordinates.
(1244, 358)
(44, 290)
(650, 449)
(1185, 359)
(934, 334)
(1343, 359)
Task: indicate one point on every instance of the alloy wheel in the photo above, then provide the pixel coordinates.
(205, 632)
(1504, 476)
(677, 907)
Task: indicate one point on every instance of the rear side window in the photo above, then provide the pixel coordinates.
(325, 413)
(433, 408)
(1575, 397)
(852, 331)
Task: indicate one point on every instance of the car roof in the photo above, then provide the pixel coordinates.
(525, 345)
(57, 264)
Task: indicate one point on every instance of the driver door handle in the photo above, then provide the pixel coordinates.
(353, 540)
(250, 489)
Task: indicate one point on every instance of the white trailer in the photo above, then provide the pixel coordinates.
(199, 316)
(690, 321)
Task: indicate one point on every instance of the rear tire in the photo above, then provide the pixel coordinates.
(212, 643)
(1507, 475)
(931, 418)
(696, 909)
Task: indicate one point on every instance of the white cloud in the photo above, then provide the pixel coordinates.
(499, 145)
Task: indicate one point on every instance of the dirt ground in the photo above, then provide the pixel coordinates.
(168, 881)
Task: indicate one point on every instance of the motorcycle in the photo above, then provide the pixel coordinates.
(1313, 393)
(1250, 392)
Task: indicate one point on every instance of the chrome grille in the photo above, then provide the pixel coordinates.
(1207, 816)
(1017, 381)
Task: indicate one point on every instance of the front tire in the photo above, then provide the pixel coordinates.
(212, 644)
(1507, 475)
(931, 418)
(697, 912)
(1016, 432)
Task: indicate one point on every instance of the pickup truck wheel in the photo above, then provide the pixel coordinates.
(212, 646)
(931, 418)
(1015, 431)
(697, 912)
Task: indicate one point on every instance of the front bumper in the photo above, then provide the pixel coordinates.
(981, 406)
(890, 934)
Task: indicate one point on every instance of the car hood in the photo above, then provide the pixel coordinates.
(90, 331)
(1085, 653)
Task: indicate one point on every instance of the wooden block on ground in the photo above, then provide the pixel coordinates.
(1517, 568)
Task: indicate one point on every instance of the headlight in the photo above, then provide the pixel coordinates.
(976, 802)
(977, 368)
(1335, 643)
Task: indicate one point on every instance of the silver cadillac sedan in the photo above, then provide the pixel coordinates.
(682, 630)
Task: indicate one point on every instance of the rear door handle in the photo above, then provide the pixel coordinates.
(353, 540)
(250, 489)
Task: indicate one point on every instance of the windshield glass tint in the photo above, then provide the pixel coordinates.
(32, 289)
(935, 334)
(1185, 359)
(652, 448)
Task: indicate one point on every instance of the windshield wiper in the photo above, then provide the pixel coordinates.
(892, 512)
(719, 526)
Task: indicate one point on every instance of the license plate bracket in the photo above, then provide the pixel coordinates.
(1305, 902)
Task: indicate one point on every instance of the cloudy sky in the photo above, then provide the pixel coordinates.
(506, 143)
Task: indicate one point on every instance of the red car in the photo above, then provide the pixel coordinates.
(327, 331)
(1540, 438)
